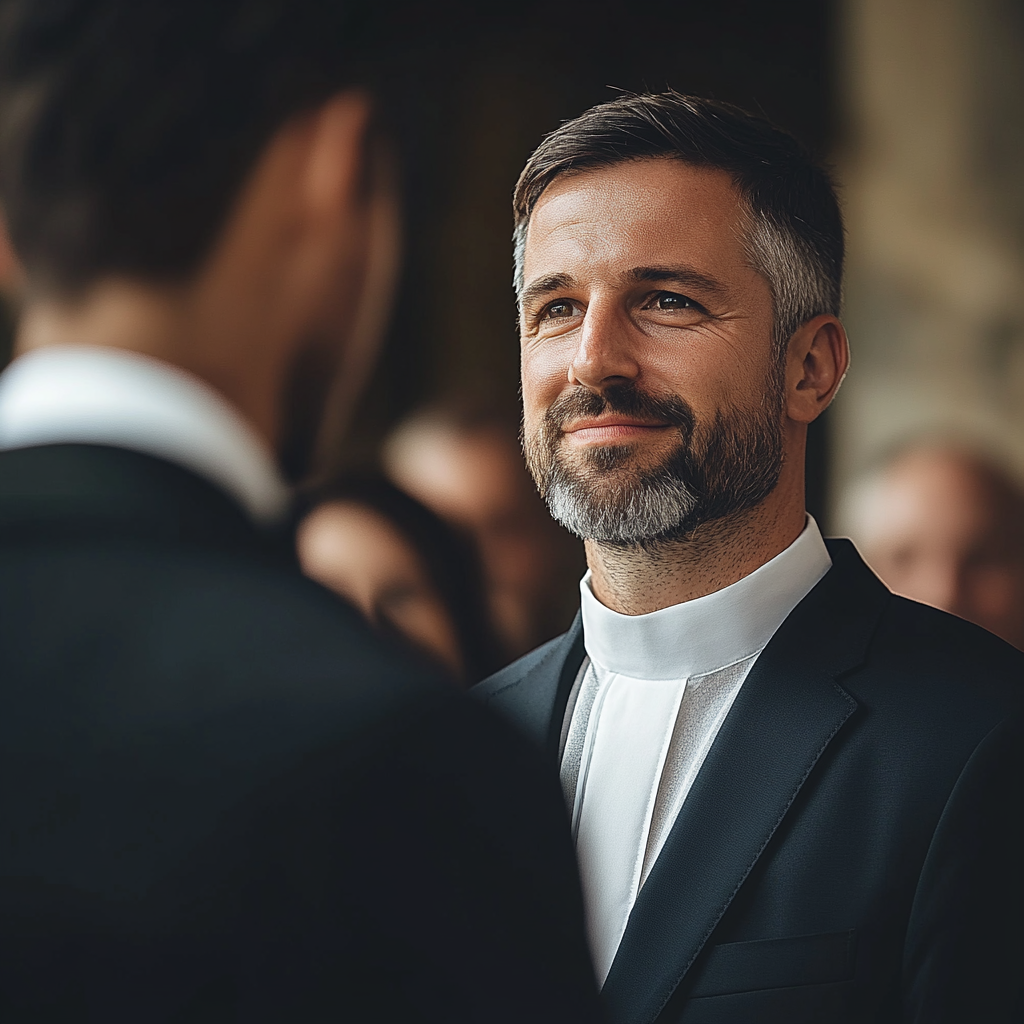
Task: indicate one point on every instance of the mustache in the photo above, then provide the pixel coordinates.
(623, 399)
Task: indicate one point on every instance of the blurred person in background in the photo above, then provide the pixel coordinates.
(943, 524)
(223, 796)
(411, 574)
(465, 463)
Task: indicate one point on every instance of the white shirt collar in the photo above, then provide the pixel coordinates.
(90, 395)
(709, 632)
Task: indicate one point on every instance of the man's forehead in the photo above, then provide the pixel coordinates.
(668, 169)
(640, 211)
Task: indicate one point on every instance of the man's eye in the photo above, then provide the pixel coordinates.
(558, 310)
(670, 300)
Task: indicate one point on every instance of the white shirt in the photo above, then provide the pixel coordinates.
(650, 698)
(90, 395)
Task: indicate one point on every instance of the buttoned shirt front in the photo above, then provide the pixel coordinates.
(649, 700)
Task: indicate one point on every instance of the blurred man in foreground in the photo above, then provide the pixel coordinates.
(796, 798)
(223, 799)
(944, 525)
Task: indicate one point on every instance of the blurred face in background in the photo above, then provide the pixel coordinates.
(940, 527)
(356, 552)
(475, 480)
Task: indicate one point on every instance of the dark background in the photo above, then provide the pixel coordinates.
(473, 88)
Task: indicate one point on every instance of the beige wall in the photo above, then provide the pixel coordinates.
(932, 165)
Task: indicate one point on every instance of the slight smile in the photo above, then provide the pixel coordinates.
(615, 428)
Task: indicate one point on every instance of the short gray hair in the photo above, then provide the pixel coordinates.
(794, 235)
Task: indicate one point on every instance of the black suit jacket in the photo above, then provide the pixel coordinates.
(851, 849)
(223, 799)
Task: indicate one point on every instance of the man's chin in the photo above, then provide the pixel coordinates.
(625, 461)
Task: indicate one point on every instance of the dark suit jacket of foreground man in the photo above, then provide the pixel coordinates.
(852, 847)
(223, 799)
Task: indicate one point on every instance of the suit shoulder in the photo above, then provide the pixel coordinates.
(948, 654)
(236, 623)
(280, 618)
(941, 638)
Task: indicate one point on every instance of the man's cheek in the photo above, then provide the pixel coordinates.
(544, 379)
(536, 401)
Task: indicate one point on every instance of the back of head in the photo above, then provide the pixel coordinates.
(795, 230)
(128, 128)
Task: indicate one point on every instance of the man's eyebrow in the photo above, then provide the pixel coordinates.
(546, 285)
(686, 276)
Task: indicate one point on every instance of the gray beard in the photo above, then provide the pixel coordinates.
(714, 472)
(620, 513)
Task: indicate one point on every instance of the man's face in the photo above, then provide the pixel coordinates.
(652, 390)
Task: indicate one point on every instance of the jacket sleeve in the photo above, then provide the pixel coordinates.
(965, 941)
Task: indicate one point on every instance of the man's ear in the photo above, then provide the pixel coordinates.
(304, 188)
(817, 360)
(11, 277)
(381, 266)
(334, 171)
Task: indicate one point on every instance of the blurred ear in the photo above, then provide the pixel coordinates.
(11, 278)
(817, 360)
(297, 207)
(334, 165)
(368, 324)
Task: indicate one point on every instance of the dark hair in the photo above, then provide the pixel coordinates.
(127, 127)
(450, 559)
(794, 237)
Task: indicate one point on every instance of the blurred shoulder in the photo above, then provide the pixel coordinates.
(174, 628)
(277, 625)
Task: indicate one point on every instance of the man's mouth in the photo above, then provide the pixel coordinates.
(610, 429)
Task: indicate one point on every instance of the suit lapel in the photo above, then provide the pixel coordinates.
(535, 701)
(787, 713)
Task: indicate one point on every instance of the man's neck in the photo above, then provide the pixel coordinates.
(635, 580)
(165, 323)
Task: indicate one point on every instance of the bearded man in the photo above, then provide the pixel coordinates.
(794, 796)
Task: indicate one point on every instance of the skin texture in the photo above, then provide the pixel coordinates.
(941, 526)
(298, 277)
(358, 554)
(636, 273)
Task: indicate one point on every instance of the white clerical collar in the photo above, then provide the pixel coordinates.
(709, 632)
(90, 395)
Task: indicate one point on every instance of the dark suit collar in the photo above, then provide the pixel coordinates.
(542, 694)
(789, 709)
(79, 491)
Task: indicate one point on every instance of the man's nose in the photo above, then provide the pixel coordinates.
(605, 353)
